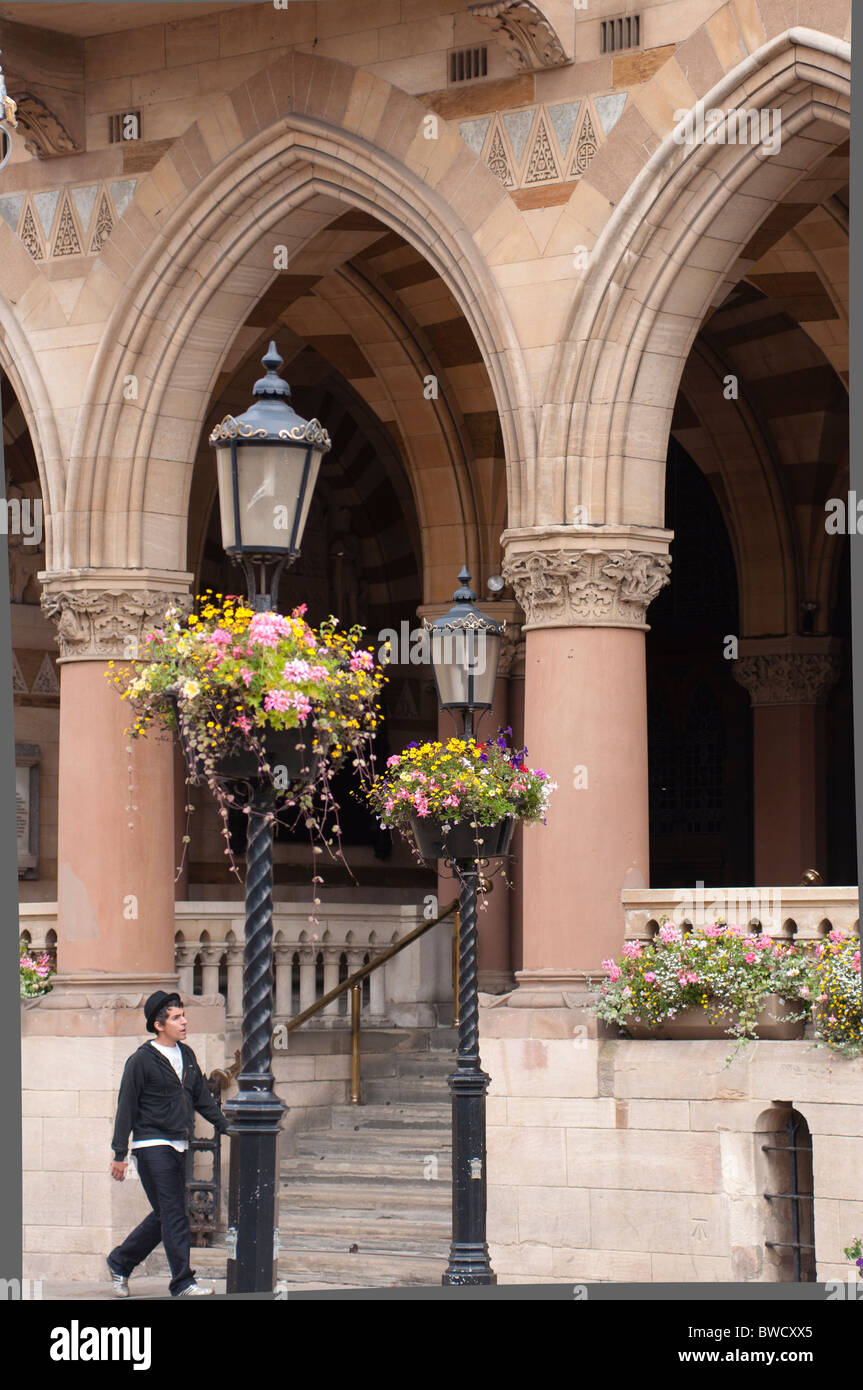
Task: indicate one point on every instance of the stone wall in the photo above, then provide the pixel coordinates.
(74, 1211)
(643, 1161)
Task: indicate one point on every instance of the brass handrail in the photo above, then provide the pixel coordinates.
(354, 984)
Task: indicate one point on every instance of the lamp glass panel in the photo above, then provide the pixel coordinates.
(465, 665)
(269, 479)
(226, 496)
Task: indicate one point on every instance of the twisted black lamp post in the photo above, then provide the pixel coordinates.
(465, 650)
(267, 464)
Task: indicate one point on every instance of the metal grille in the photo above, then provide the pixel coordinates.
(468, 63)
(620, 33)
(791, 1168)
(203, 1195)
(124, 126)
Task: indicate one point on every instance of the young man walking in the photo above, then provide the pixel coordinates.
(161, 1089)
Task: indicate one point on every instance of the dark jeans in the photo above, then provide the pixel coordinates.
(162, 1171)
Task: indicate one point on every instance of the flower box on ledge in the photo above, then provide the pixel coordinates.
(775, 1022)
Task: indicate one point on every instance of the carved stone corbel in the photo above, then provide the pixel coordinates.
(45, 136)
(530, 41)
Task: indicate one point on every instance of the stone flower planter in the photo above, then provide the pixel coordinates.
(462, 840)
(773, 1024)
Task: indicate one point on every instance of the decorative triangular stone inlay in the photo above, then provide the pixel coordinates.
(563, 118)
(609, 110)
(30, 236)
(518, 124)
(19, 685)
(585, 149)
(46, 205)
(498, 161)
(46, 683)
(104, 225)
(474, 132)
(10, 209)
(122, 193)
(67, 242)
(542, 165)
(85, 201)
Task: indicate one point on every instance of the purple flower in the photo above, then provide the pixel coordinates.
(483, 757)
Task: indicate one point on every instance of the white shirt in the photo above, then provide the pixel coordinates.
(175, 1057)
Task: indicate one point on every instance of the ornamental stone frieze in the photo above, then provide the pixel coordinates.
(569, 577)
(791, 677)
(104, 614)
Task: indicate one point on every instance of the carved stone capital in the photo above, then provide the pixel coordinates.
(563, 577)
(103, 615)
(520, 26)
(787, 678)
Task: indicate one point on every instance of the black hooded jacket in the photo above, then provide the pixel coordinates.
(155, 1104)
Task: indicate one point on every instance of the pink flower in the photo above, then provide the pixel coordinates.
(832, 1019)
(243, 722)
(632, 949)
(734, 931)
(668, 933)
(391, 762)
(650, 976)
(296, 670)
(750, 957)
(762, 943)
(278, 699)
(300, 611)
(221, 637)
(267, 629)
(246, 675)
(835, 935)
(361, 661)
(421, 804)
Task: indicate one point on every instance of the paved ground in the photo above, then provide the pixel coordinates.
(143, 1287)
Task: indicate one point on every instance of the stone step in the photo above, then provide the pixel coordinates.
(432, 1065)
(369, 1165)
(342, 1192)
(405, 1089)
(387, 1114)
(417, 1234)
(385, 1142)
(363, 1268)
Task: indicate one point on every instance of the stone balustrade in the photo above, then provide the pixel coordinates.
(310, 957)
(804, 913)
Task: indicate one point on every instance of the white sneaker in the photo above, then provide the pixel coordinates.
(194, 1290)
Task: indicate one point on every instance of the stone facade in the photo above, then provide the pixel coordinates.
(505, 292)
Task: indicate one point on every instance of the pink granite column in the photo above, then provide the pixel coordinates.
(788, 679)
(116, 802)
(585, 595)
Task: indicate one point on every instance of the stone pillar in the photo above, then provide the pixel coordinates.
(282, 958)
(584, 592)
(308, 956)
(211, 955)
(116, 866)
(788, 679)
(234, 1002)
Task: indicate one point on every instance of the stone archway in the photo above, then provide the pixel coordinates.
(266, 170)
(675, 245)
(589, 553)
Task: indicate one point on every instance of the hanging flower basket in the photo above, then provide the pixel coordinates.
(461, 799)
(288, 749)
(462, 840)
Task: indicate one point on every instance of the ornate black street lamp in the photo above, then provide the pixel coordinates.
(267, 464)
(465, 650)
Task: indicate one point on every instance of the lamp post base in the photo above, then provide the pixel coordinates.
(255, 1117)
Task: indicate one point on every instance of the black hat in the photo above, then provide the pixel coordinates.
(155, 1003)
